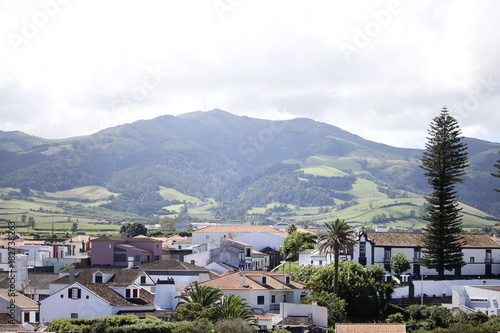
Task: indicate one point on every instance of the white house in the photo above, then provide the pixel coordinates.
(90, 300)
(228, 251)
(262, 239)
(480, 252)
(19, 307)
(211, 233)
(273, 296)
(477, 298)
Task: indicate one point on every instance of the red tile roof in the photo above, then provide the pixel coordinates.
(238, 228)
(231, 281)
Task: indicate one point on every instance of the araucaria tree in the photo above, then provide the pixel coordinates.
(497, 174)
(444, 161)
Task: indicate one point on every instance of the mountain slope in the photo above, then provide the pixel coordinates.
(241, 162)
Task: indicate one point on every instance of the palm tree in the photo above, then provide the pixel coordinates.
(204, 295)
(339, 237)
(232, 306)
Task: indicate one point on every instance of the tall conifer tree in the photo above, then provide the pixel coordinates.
(444, 161)
(497, 174)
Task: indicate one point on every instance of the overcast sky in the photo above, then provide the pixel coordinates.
(379, 69)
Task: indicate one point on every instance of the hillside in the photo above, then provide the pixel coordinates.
(218, 165)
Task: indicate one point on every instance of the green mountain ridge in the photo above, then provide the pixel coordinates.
(239, 161)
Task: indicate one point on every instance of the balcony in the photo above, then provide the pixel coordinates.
(274, 307)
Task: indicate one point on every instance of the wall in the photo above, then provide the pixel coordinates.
(439, 288)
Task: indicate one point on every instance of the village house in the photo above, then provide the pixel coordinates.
(122, 251)
(481, 253)
(25, 310)
(273, 296)
(228, 251)
(212, 233)
(476, 298)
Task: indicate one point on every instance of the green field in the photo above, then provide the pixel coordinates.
(171, 195)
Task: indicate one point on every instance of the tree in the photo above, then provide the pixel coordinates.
(31, 222)
(133, 229)
(205, 295)
(234, 326)
(291, 229)
(23, 218)
(444, 161)
(297, 242)
(497, 173)
(339, 237)
(167, 225)
(232, 306)
(334, 304)
(74, 227)
(400, 263)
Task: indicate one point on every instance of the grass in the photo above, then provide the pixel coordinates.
(171, 195)
(324, 171)
(85, 192)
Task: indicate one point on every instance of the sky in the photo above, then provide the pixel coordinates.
(379, 69)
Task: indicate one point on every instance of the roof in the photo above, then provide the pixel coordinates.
(38, 280)
(171, 265)
(492, 288)
(372, 328)
(124, 239)
(296, 321)
(112, 297)
(132, 247)
(20, 300)
(80, 238)
(408, 239)
(120, 276)
(238, 228)
(231, 281)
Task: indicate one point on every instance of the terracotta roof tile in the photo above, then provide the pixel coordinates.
(171, 265)
(20, 300)
(238, 228)
(231, 281)
(492, 288)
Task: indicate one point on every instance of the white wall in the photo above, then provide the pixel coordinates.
(55, 306)
(439, 288)
(319, 313)
(260, 240)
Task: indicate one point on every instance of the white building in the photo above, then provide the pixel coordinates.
(477, 298)
(24, 310)
(211, 233)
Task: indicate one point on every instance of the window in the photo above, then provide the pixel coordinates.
(137, 257)
(362, 249)
(206, 237)
(143, 279)
(98, 278)
(74, 316)
(264, 280)
(120, 257)
(26, 317)
(37, 317)
(321, 262)
(479, 300)
(387, 254)
(248, 254)
(287, 280)
(157, 246)
(127, 293)
(260, 300)
(74, 293)
(273, 298)
(471, 260)
(135, 293)
(109, 246)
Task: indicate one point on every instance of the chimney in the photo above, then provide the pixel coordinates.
(130, 262)
(242, 280)
(71, 274)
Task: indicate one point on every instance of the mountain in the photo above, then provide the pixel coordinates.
(239, 162)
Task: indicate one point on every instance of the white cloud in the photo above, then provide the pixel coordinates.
(275, 60)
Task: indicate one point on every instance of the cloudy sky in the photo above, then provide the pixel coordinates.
(379, 69)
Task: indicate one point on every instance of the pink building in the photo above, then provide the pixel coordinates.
(116, 251)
